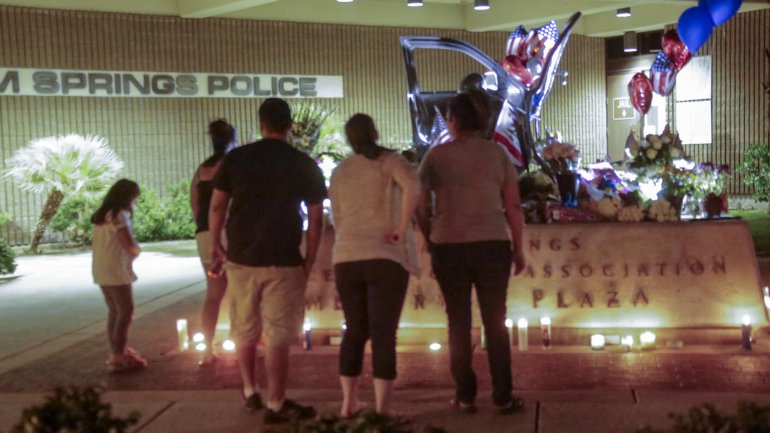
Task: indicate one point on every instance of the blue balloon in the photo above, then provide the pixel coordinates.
(695, 26)
(722, 10)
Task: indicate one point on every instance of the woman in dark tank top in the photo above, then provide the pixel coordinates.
(205, 190)
(223, 138)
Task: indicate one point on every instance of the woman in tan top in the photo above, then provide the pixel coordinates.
(373, 195)
(475, 234)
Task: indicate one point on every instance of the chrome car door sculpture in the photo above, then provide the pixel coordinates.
(516, 91)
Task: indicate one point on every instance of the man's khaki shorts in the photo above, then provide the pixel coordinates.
(269, 300)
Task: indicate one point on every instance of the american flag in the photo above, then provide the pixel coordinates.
(663, 75)
(439, 134)
(545, 40)
(517, 42)
(505, 134)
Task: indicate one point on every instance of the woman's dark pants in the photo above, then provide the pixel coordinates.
(487, 266)
(372, 294)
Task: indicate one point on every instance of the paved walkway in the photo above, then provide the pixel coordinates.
(567, 389)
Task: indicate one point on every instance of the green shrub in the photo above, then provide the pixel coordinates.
(7, 258)
(176, 203)
(73, 410)
(750, 418)
(164, 218)
(74, 218)
(7, 255)
(756, 170)
(155, 218)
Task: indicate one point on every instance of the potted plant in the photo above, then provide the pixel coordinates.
(756, 170)
(712, 188)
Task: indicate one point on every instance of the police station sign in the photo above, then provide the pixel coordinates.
(133, 84)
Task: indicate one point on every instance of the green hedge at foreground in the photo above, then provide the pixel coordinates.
(155, 219)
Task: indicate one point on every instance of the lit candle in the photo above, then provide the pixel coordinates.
(597, 342)
(627, 342)
(228, 346)
(198, 337)
(647, 340)
(767, 297)
(509, 328)
(545, 332)
(746, 333)
(181, 330)
(435, 347)
(307, 342)
(523, 338)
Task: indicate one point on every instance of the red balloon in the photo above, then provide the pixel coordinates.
(675, 49)
(640, 92)
(517, 68)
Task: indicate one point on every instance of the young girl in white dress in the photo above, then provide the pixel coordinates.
(114, 251)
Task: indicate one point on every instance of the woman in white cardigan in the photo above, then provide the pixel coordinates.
(373, 194)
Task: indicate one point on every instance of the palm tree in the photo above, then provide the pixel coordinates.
(59, 166)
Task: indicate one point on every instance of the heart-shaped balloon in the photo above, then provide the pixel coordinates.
(675, 49)
(662, 75)
(640, 92)
(517, 68)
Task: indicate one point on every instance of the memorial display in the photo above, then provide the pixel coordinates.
(584, 275)
(631, 249)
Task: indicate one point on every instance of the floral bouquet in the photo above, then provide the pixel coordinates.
(712, 188)
(712, 179)
(562, 157)
(309, 118)
(654, 150)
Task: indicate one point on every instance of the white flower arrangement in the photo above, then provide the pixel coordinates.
(661, 211)
(608, 207)
(631, 214)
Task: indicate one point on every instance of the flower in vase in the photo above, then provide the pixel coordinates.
(561, 157)
(654, 150)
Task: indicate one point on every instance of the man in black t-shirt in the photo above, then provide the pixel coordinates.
(264, 184)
